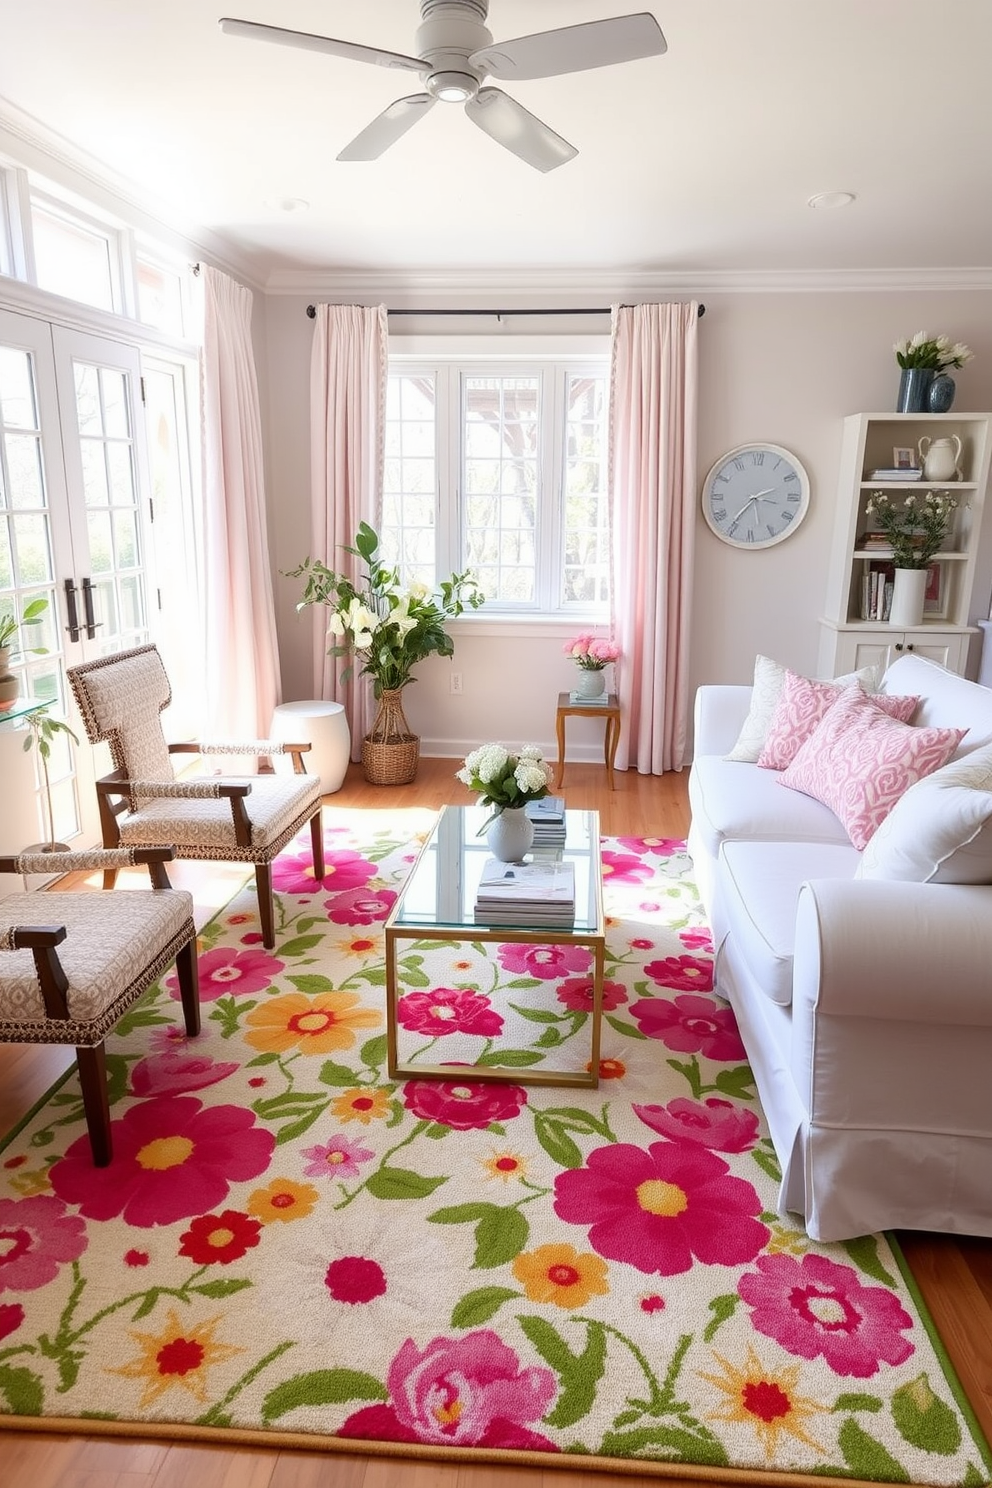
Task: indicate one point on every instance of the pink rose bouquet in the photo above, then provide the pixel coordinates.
(590, 653)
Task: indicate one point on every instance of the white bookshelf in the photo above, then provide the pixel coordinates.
(847, 641)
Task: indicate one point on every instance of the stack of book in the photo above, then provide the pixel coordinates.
(541, 893)
(548, 816)
(898, 473)
(603, 701)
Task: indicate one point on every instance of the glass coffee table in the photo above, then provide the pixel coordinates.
(542, 985)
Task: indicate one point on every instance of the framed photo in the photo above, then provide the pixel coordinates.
(935, 594)
(903, 459)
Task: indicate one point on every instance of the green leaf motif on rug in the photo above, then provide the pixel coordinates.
(23, 1390)
(671, 1444)
(867, 1458)
(924, 1420)
(579, 1373)
(500, 1233)
(864, 1253)
(322, 1387)
(479, 1306)
(401, 1183)
(299, 945)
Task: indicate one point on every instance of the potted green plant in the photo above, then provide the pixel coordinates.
(42, 729)
(10, 685)
(389, 628)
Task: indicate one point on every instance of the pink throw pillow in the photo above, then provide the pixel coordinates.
(859, 761)
(802, 704)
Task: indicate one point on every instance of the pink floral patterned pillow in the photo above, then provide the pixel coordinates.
(802, 704)
(859, 761)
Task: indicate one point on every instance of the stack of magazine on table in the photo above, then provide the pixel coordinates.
(538, 893)
(548, 816)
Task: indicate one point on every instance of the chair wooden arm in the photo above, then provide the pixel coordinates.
(87, 859)
(260, 747)
(41, 941)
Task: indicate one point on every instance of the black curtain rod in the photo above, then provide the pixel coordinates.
(579, 310)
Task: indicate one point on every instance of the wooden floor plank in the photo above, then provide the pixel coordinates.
(954, 1274)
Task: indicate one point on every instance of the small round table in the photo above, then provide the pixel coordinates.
(610, 711)
(324, 726)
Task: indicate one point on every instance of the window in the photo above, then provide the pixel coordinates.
(73, 257)
(160, 295)
(501, 469)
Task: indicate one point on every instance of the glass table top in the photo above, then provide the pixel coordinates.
(440, 892)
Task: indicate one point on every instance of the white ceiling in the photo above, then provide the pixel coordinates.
(698, 161)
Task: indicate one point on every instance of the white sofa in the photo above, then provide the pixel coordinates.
(865, 1004)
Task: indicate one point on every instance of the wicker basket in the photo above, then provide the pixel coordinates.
(390, 752)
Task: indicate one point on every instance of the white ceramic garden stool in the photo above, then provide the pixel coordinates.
(324, 726)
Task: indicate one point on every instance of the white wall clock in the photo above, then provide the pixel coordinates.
(755, 495)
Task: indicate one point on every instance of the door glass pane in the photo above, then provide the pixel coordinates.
(94, 472)
(100, 542)
(132, 616)
(113, 385)
(125, 540)
(88, 411)
(24, 470)
(121, 474)
(17, 400)
(32, 549)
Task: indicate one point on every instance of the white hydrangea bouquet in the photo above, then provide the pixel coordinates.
(503, 780)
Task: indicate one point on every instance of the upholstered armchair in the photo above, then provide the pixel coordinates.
(250, 820)
(72, 963)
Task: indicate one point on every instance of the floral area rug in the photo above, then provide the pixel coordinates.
(289, 1244)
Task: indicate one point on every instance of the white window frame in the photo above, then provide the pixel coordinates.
(553, 367)
(99, 227)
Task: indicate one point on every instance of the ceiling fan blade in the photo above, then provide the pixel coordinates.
(388, 127)
(573, 48)
(511, 125)
(307, 42)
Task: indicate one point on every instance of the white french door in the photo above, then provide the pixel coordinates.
(74, 525)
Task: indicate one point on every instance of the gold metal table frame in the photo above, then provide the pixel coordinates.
(437, 903)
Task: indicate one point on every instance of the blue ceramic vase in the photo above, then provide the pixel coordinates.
(941, 394)
(914, 390)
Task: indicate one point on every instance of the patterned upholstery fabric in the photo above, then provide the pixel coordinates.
(122, 701)
(277, 807)
(116, 944)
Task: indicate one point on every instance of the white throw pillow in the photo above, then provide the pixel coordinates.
(769, 679)
(940, 831)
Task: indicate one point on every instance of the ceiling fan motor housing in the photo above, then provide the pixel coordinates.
(451, 30)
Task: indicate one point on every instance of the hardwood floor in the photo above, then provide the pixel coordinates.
(953, 1274)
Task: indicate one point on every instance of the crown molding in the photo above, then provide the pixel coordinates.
(28, 143)
(488, 288)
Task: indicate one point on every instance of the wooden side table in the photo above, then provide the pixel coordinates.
(608, 711)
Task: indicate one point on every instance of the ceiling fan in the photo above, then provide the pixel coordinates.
(456, 53)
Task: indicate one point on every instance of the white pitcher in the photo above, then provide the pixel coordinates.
(939, 458)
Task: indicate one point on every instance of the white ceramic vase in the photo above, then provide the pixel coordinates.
(908, 590)
(591, 684)
(510, 835)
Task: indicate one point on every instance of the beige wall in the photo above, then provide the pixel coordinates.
(782, 367)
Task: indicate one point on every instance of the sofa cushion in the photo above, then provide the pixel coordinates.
(940, 831)
(859, 761)
(740, 801)
(802, 703)
(757, 890)
(946, 700)
(768, 679)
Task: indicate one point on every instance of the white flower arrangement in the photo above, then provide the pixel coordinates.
(503, 779)
(936, 352)
(917, 529)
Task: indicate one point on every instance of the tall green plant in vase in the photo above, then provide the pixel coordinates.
(387, 627)
(42, 730)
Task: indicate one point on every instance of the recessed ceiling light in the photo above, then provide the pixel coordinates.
(286, 204)
(827, 201)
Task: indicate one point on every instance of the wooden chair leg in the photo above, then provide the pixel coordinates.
(317, 838)
(187, 968)
(92, 1065)
(266, 908)
(110, 877)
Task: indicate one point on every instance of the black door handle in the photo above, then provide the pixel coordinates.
(91, 620)
(71, 611)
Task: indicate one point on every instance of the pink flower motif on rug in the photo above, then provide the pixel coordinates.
(338, 1158)
(697, 940)
(172, 1158)
(812, 1306)
(11, 1318)
(343, 869)
(660, 1209)
(547, 962)
(355, 1279)
(171, 1074)
(713, 1123)
(625, 868)
(36, 1238)
(691, 1025)
(465, 1107)
(360, 906)
(460, 1392)
(682, 973)
(448, 1010)
(576, 994)
(663, 847)
(228, 973)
